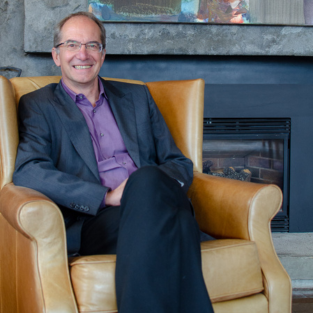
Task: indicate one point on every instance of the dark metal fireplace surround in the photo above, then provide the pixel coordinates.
(251, 149)
(239, 112)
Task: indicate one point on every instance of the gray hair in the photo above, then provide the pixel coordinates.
(58, 27)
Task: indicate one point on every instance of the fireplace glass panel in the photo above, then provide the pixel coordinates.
(262, 159)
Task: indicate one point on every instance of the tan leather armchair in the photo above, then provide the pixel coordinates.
(241, 269)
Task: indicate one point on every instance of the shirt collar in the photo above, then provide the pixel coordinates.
(75, 96)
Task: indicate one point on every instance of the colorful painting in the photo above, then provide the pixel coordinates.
(173, 11)
(270, 12)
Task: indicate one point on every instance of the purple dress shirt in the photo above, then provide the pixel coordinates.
(114, 162)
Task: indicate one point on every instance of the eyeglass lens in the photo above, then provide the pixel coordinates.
(76, 45)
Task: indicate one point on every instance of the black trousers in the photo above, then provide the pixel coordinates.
(156, 239)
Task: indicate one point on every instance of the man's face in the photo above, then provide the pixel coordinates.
(79, 68)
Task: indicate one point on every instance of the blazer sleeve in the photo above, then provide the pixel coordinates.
(169, 158)
(36, 163)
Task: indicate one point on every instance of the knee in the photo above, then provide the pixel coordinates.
(149, 181)
(148, 175)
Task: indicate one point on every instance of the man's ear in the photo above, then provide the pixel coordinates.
(56, 57)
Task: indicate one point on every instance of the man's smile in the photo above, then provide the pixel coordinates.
(82, 67)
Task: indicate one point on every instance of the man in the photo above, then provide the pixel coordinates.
(102, 151)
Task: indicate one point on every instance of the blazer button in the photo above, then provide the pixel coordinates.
(84, 208)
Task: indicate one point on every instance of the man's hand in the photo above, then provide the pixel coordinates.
(114, 196)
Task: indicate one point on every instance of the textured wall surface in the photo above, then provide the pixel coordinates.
(209, 39)
(12, 43)
(41, 17)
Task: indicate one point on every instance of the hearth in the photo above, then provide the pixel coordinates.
(250, 149)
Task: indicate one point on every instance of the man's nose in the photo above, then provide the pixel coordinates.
(82, 53)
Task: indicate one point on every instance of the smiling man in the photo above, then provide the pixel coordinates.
(102, 151)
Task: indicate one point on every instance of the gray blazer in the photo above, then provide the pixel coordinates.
(55, 154)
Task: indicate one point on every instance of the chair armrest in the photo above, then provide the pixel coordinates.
(228, 208)
(15, 206)
(40, 221)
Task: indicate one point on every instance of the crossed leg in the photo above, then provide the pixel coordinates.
(156, 239)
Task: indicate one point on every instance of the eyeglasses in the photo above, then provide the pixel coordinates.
(72, 45)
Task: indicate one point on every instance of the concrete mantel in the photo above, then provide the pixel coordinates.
(169, 39)
(195, 39)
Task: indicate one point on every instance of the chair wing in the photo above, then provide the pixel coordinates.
(181, 104)
(8, 131)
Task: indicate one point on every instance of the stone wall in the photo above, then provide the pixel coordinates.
(12, 43)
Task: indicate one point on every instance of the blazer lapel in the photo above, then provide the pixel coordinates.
(124, 112)
(76, 127)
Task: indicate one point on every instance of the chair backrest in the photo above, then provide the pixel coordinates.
(180, 102)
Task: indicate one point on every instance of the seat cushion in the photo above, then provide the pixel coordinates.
(252, 304)
(231, 270)
(93, 283)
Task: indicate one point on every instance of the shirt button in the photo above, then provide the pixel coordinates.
(81, 97)
(124, 163)
(94, 111)
(101, 134)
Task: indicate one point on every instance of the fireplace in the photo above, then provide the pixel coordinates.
(250, 149)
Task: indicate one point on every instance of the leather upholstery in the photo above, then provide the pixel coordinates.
(93, 283)
(8, 132)
(241, 269)
(253, 304)
(184, 121)
(34, 246)
(231, 270)
(247, 210)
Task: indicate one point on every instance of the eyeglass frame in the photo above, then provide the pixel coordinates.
(81, 44)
